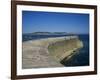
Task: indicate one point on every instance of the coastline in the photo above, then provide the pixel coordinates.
(37, 55)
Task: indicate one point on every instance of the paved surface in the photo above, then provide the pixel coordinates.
(35, 54)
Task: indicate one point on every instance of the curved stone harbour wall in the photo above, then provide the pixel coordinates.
(48, 52)
(61, 49)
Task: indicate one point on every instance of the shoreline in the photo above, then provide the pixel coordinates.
(37, 55)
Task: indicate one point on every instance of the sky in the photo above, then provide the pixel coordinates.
(33, 21)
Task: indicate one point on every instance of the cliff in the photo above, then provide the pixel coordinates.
(48, 52)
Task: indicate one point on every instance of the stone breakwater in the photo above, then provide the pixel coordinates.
(48, 52)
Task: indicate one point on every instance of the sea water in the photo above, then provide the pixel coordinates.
(81, 58)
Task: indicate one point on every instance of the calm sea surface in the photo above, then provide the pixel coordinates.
(81, 58)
